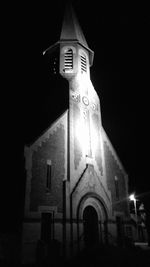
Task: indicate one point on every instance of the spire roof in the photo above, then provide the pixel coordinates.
(71, 29)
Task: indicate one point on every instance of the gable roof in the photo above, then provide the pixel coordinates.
(61, 120)
(113, 151)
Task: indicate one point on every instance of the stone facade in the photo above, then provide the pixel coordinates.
(73, 172)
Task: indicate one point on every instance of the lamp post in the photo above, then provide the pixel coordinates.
(132, 198)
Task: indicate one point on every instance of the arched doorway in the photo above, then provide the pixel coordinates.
(91, 233)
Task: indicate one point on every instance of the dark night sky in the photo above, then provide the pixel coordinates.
(120, 75)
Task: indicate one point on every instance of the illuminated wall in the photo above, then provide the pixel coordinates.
(73, 169)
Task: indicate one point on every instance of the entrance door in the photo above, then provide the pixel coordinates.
(91, 233)
(119, 230)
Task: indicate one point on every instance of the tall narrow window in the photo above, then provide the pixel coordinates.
(83, 63)
(48, 175)
(46, 227)
(116, 187)
(68, 60)
(129, 231)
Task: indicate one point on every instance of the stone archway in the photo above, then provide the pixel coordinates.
(90, 222)
(91, 205)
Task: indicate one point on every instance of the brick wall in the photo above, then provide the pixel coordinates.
(98, 152)
(112, 170)
(77, 144)
(52, 149)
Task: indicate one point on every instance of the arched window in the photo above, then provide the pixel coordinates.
(68, 64)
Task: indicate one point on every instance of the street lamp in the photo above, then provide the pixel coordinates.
(132, 198)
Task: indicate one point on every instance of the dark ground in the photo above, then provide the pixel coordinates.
(112, 256)
(101, 256)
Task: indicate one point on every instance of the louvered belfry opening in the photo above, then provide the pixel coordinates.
(69, 59)
(83, 63)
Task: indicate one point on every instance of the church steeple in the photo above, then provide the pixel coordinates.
(72, 32)
(71, 29)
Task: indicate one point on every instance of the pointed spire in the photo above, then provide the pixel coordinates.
(71, 30)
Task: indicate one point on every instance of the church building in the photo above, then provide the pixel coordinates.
(76, 186)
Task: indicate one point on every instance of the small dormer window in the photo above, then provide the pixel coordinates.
(83, 63)
(68, 64)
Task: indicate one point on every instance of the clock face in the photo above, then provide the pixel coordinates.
(85, 100)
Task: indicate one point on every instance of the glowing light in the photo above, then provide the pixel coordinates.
(132, 197)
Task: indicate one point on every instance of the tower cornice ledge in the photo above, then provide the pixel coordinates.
(51, 48)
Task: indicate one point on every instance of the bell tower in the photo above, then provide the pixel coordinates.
(75, 60)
